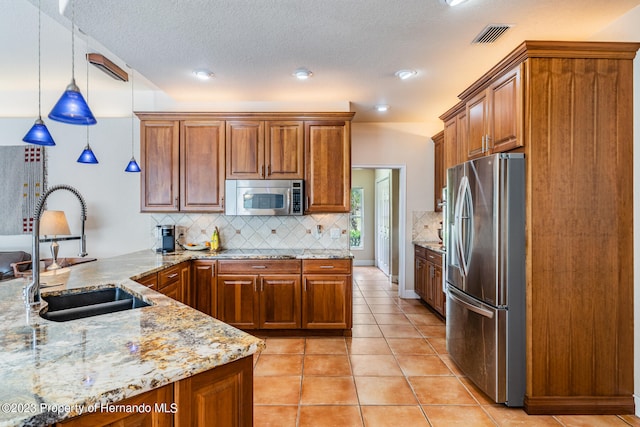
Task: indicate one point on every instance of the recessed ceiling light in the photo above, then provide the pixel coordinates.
(302, 74)
(203, 74)
(381, 108)
(406, 74)
(453, 3)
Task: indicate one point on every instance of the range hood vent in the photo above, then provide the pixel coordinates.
(491, 33)
(107, 66)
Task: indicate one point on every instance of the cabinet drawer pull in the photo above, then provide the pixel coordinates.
(327, 266)
(258, 266)
(171, 276)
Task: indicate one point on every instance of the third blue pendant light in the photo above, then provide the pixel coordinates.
(71, 108)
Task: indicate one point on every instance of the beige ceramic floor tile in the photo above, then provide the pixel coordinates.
(367, 346)
(279, 364)
(631, 420)
(418, 365)
(384, 391)
(374, 365)
(375, 293)
(516, 417)
(361, 308)
(327, 365)
(438, 344)
(432, 331)
(451, 364)
(366, 331)
(326, 346)
(399, 331)
(441, 390)
(457, 416)
(423, 317)
(274, 416)
(391, 319)
(330, 416)
(478, 394)
(276, 390)
(590, 421)
(363, 319)
(410, 346)
(385, 308)
(328, 391)
(393, 416)
(284, 346)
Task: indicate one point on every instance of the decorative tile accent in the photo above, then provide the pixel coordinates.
(425, 226)
(259, 232)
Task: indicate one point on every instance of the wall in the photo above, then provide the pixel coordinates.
(365, 178)
(408, 147)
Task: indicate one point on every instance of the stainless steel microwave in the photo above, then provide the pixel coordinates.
(264, 197)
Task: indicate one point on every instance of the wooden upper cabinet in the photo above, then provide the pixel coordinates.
(159, 180)
(438, 170)
(506, 112)
(455, 137)
(284, 150)
(494, 116)
(477, 126)
(245, 149)
(328, 166)
(202, 166)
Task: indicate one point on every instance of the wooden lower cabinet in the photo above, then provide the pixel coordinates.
(174, 282)
(428, 278)
(203, 286)
(220, 397)
(269, 299)
(327, 294)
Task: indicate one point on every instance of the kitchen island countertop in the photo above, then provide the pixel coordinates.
(52, 371)
(434, 246)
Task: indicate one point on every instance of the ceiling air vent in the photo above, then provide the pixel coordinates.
(491, 33)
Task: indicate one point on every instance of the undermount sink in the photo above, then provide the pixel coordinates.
(72, 306)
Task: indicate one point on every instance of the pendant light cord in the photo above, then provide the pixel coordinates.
(73, 30)
(39, 60)
(132, 74)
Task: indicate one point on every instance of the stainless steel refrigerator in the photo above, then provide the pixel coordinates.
(485, 274)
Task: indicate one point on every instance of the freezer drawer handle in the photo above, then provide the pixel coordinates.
(481, 311)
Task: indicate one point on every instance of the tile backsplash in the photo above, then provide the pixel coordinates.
(320, 231)
(425, 226)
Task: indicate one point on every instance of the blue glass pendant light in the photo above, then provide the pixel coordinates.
(39, 134)
(87, 156)
(133, 165)
(71, 108)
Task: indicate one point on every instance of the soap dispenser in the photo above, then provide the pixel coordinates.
(215, 240)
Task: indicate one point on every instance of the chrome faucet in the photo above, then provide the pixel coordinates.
(32, 291)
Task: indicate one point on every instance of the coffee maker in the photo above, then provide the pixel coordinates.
(165, 238)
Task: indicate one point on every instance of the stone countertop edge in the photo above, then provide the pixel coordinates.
(52, 371)
(434, 246)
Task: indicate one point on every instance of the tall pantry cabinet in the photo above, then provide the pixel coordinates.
(573, 119)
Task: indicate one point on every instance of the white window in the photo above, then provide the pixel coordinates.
(356, 233)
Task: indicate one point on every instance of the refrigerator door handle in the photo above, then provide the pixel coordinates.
(468, 304)
(464, 215)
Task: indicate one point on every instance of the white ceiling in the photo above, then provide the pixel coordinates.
(353, 47)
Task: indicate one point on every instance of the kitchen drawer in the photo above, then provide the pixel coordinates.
(434, 257)
(326, 266)
(169, 276)
(256, 266)
(420, 251)
(150, 281)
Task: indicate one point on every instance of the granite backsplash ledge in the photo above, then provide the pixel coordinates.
(319, 231)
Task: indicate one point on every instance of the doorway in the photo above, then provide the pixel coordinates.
(380, 194)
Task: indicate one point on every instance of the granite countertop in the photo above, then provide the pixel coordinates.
(434, 246)
(54, 370)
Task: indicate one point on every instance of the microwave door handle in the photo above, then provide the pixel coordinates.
(290, 207)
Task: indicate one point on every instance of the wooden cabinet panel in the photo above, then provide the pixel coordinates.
(159, 180)
(328, 166)
(420, 276)
(280, 301)
(221, 397)
(477, 126)
(204, 288)
(428, 278)
(245, 149)
(159, 400)
(174, 282)
(438, 170)
(326, 266)
(202, 166)
(238, 300)
(326, 302)
(150, 281)
(284, 150)
(258, 266)
(506, 112)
